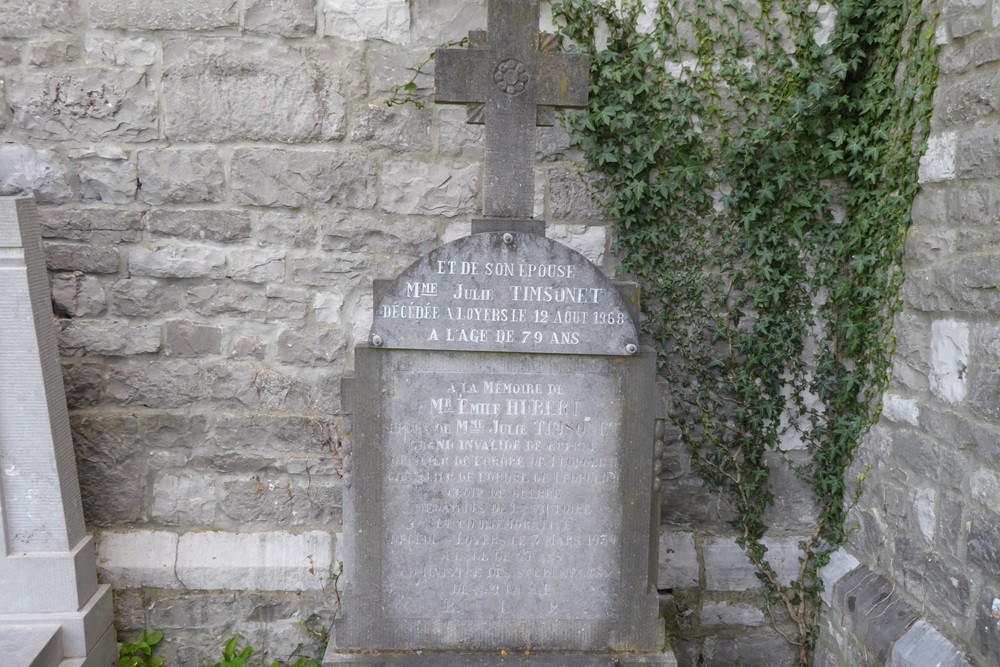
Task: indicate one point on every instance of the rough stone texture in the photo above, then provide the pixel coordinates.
(230, 89)
(88, 104)
(27, 170)
(180, 176)
(42, 15)
(202, 225)
(166, 15)
(177, 262)
(428, 189)
(357, 20)
(105, 174)
(271, 177)
(289, 18)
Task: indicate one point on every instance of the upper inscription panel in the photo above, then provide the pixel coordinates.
(504, 292)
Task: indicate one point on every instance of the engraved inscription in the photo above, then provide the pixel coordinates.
(538, 297)
(509, 479)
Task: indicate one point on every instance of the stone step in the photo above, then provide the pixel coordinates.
(31, 645)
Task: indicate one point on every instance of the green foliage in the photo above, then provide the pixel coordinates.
(760, 180)
(234, 655)
(139, 653)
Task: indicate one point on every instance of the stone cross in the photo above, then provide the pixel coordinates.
(512, 82)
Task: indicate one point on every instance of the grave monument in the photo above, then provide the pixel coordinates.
(52, 610)
(503, 427)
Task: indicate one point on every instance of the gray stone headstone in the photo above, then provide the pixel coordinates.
(500, 488)
(48, 576)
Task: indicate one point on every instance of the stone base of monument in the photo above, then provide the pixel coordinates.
(498, 659)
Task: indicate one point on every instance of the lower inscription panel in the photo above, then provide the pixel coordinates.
(504, 494)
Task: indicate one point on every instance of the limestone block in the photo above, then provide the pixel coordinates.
(271, 561)
(572, 194)
(969, 285)
(84, 384)
(983, 542)
(285, 228)
(289, 18)
(105, 174)
(26, 170)
(53, 51)
(436, 22)
(924, 645)
(286, 305)
(728, 569)
(230, 89)
(185, 499)
(144, 297)
(970, 99)
(96, 226)
(949, 359)
(389, 65)
(257, 265)
(164, 15)
(85, 104)
(901, 410)
(284, 500)
(155, 384)
(107, 338)
(227, 299)
(244, 385)
(678, 566)
(138, 558)
(401, 128)
(985, 486)
(457, 138)
(590, 242)
(938, 162)
(976, 153)
(714, 613)
(316, 348)
(358, 20)
(77, 295)
(295, 178)
(841, 563)
(86, 258)
(925, 511)
(125, 51)
(282, 433)
(202, 225)
(177, 262)
(180, 175)
(774, 651)
(423, 188)
(327, 307)
(383, 239)
(189, 339)
(28, 20)
(342, 270)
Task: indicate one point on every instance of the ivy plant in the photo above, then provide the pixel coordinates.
(759, 161)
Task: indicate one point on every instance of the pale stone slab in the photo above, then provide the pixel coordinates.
(139, 558)
(30, 645)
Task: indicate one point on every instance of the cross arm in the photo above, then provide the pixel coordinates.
(461, 76)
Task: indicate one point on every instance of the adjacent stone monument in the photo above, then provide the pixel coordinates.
(52, 610)
(500, 487)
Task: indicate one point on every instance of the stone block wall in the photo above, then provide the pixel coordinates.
(219, 182)
(929, 518)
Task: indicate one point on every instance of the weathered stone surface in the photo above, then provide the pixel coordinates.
(177, 262)
(166, 15)
(185, 499)
(967, 286)
(977, 153)
(285, 228)
(155, 384)
(84, 384)
(422, 188)
(390, 65)
(112, 467)
(730, 613)
(286, 305)
(243, 385)
(316, 348)
(387, 20)
(229, 89)
(77, 295)
(679, 566)
(189, 339)
(138, 558)
(970, 99)
(170, 175)
(770, 650)
(42, 15)
(202, 225)
(127, 51)
(284, 500)
(25, 170)
(591, 242)
(226, 299)
(901, 410)
(949, 359)
(924, 645)
(458, 138)
(938, 163)
(97, 226)
(105, 174)
(291, 18)
(573, 195)
(841, 563)
(257, 265)
(86, 258)
(255, 561)
(144, 297)
(401, 128)
(727, 567)
(107, 338)
(85, 104)
(984, 541)
(283, 433)
(275, 177)
(987, 632)
(53, 51)
(439, 22)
